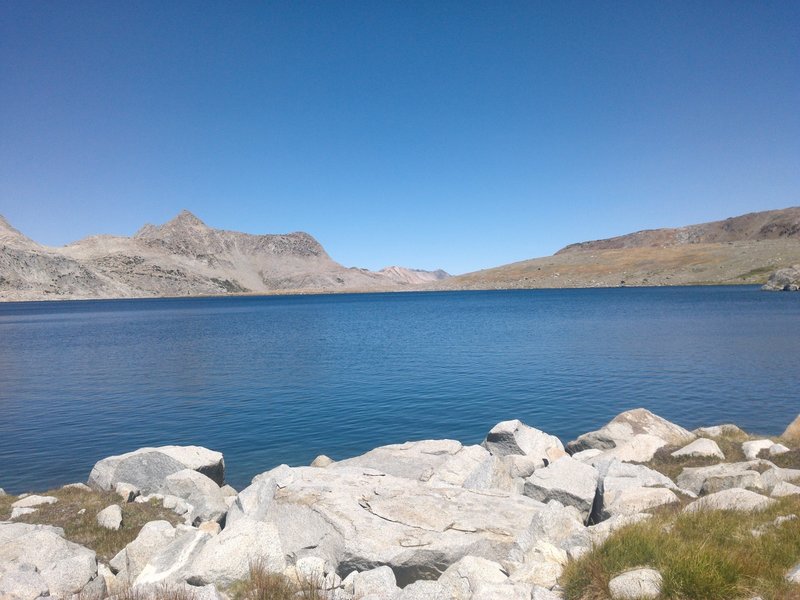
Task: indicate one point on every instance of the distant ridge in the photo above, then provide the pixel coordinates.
(182, 257)
(757, 226)
(739, 250)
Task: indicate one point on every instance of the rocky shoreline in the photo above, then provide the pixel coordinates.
(425, 519)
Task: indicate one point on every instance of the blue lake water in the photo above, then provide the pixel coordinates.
(273, 380)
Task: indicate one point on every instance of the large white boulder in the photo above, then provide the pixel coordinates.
(559, 525)
(65, 567)
(632, 501)
(733, 499)
(359, 518)
(152, 538)
(628, 424)
(379, 582)
(147, 468)
(514, 437)
(569, 481)
(636, 584)
(200, 492)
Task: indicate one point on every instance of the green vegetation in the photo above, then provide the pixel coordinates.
(262, 584)
(82, 528)
(760, 274)
(711, 555)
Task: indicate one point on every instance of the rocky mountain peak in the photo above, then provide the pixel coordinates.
(9, 235)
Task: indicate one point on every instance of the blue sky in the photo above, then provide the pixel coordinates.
(459, 135)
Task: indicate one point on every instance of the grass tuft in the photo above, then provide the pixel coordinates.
(711, 555)
(262, 584)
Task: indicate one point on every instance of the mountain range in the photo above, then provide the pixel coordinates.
(186, 257)
(183, 257)
(739, 250)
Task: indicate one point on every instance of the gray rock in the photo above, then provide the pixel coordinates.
(639, 448)
(22, 581)
(720, 477)
(147, 468)
(127, 491)
(64, 566)
(775, 475)
(514, 437)
(110, 517)
(556, 524)
(33, 501)
(701, 447)
(465, 577)
(169, 565)
(225, 558)
(358, 518)
(423, 590)
(541, 593)
(380, 582)
(753, 447)
(717, 431)
(435, 461)
(543, 565)
(19, 512)
(778, 449)
(77, 486)
(625, 426)
(636, 584)
(254, 501)
(632, 501)
(322, 461)
(782, 489)
(96, 589)
(152, 538)
(621, 476)
(204, 496)
(793, 575)
(569, 481)
(733, 499)
(2, 492)
(784, 280)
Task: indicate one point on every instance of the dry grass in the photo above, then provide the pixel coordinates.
(83, 528)
(261, 584)
(705, 555)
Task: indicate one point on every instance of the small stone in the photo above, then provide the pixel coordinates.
(82, 511)
(228, 490)
(322, 461)
(752, 448)
(77, 486)
(21, 510)
(778, 449)
(211, 527)
(2, 492)
(110, 517)
(636, 584)
(701, 447)
(793, 576)
(34, 500)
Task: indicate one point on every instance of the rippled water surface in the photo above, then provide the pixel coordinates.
(275, 380)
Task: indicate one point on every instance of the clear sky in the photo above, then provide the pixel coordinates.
(429, 134)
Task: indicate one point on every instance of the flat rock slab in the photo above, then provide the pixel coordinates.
(636, 584)
(33, 501)
(358, 519)
(734, 499)
(715, 478)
